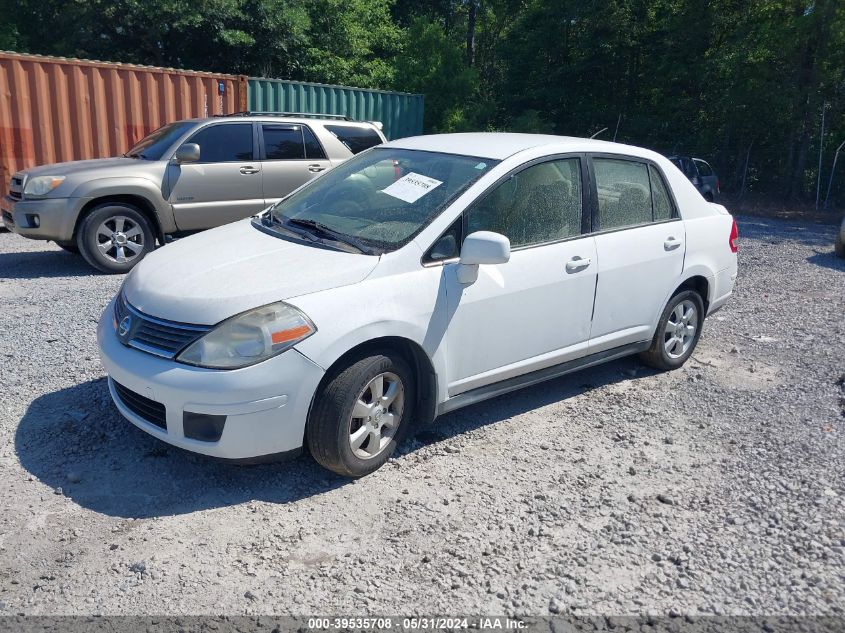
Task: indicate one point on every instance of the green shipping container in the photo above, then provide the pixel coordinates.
(400, 112)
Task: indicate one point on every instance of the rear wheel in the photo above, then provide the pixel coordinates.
(361, 415)
(114, 237)
(839, 245)
(677, 332)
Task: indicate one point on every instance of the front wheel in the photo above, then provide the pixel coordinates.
(114, 237)
(678, 331)
(361, 415)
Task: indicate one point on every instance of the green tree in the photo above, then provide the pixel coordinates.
(434, 65)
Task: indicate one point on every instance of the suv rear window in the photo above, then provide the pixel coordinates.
(356, 139)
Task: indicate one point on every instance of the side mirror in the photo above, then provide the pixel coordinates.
(187, 153)
(482, 247)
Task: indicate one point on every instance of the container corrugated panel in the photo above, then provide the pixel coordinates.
(400, 112)
(54, 109)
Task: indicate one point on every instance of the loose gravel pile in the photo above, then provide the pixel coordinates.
(715, 489)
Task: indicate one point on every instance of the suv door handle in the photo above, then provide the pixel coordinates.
(671, 244)
(249, 169)
(577, 263)
(316, 168)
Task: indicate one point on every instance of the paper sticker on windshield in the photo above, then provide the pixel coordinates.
(411, 187)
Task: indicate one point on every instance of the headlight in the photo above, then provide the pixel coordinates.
(250, 338)
(42, 185)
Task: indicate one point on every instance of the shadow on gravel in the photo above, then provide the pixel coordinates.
(76, 442)
(74, 439)
(827, 260)
(34, 265)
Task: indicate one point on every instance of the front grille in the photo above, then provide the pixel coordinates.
(152, 335)
(15, 187)
(150, 410)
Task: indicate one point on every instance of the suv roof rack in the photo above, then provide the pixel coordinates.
(307, 115)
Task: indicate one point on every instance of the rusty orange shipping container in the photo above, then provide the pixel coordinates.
(54, 109)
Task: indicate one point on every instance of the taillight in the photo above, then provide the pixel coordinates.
(733, 242)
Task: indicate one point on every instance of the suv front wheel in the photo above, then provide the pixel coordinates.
(114, 237)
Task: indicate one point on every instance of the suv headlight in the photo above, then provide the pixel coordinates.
(250, 337)
(42, 185)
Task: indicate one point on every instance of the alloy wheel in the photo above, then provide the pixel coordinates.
(679, 334)
(376, 415)
(120, 239)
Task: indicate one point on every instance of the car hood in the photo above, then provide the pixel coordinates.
(79, 166)
(216, 274)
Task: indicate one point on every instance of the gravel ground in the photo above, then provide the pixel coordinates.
(714, 489)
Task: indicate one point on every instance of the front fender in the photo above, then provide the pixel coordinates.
(144, 188)
(410, 306)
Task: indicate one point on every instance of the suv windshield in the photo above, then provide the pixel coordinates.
(381, 198)
(153, 146)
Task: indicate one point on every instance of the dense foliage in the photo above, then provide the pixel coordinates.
(740, 82)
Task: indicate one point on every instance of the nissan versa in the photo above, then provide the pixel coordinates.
(418, 277)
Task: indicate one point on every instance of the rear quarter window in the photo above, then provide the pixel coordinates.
(356, 139)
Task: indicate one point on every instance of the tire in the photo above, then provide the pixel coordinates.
(132, 237)
(673, 344)
(334, 429)
(70, 247)
(839, 245)
(709, 196)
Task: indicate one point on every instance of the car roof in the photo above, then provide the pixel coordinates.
(501, 145)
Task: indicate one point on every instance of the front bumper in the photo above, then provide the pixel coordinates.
(42, 219)
(265, 405)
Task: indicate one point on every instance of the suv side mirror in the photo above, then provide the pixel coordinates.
(187, 153)
(482, 247)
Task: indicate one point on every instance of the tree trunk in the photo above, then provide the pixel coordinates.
(472, 9)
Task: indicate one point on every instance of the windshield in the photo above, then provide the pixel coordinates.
(381, 198)
(153, 146)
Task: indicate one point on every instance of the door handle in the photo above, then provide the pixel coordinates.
(314, 169)
(577, 263)
(671, 244)
(249, 169)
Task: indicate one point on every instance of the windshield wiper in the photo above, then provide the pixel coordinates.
(135, 155)
(329, 232)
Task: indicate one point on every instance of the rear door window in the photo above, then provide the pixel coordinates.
(624, 193)
(663, 209)
(313, 149)
(283, 142)
(224, 143)
(356, 139)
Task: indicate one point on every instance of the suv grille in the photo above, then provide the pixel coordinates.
(152, 411)
(15, 187)
(155, 336)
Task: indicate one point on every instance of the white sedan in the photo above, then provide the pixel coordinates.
(421, 276)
